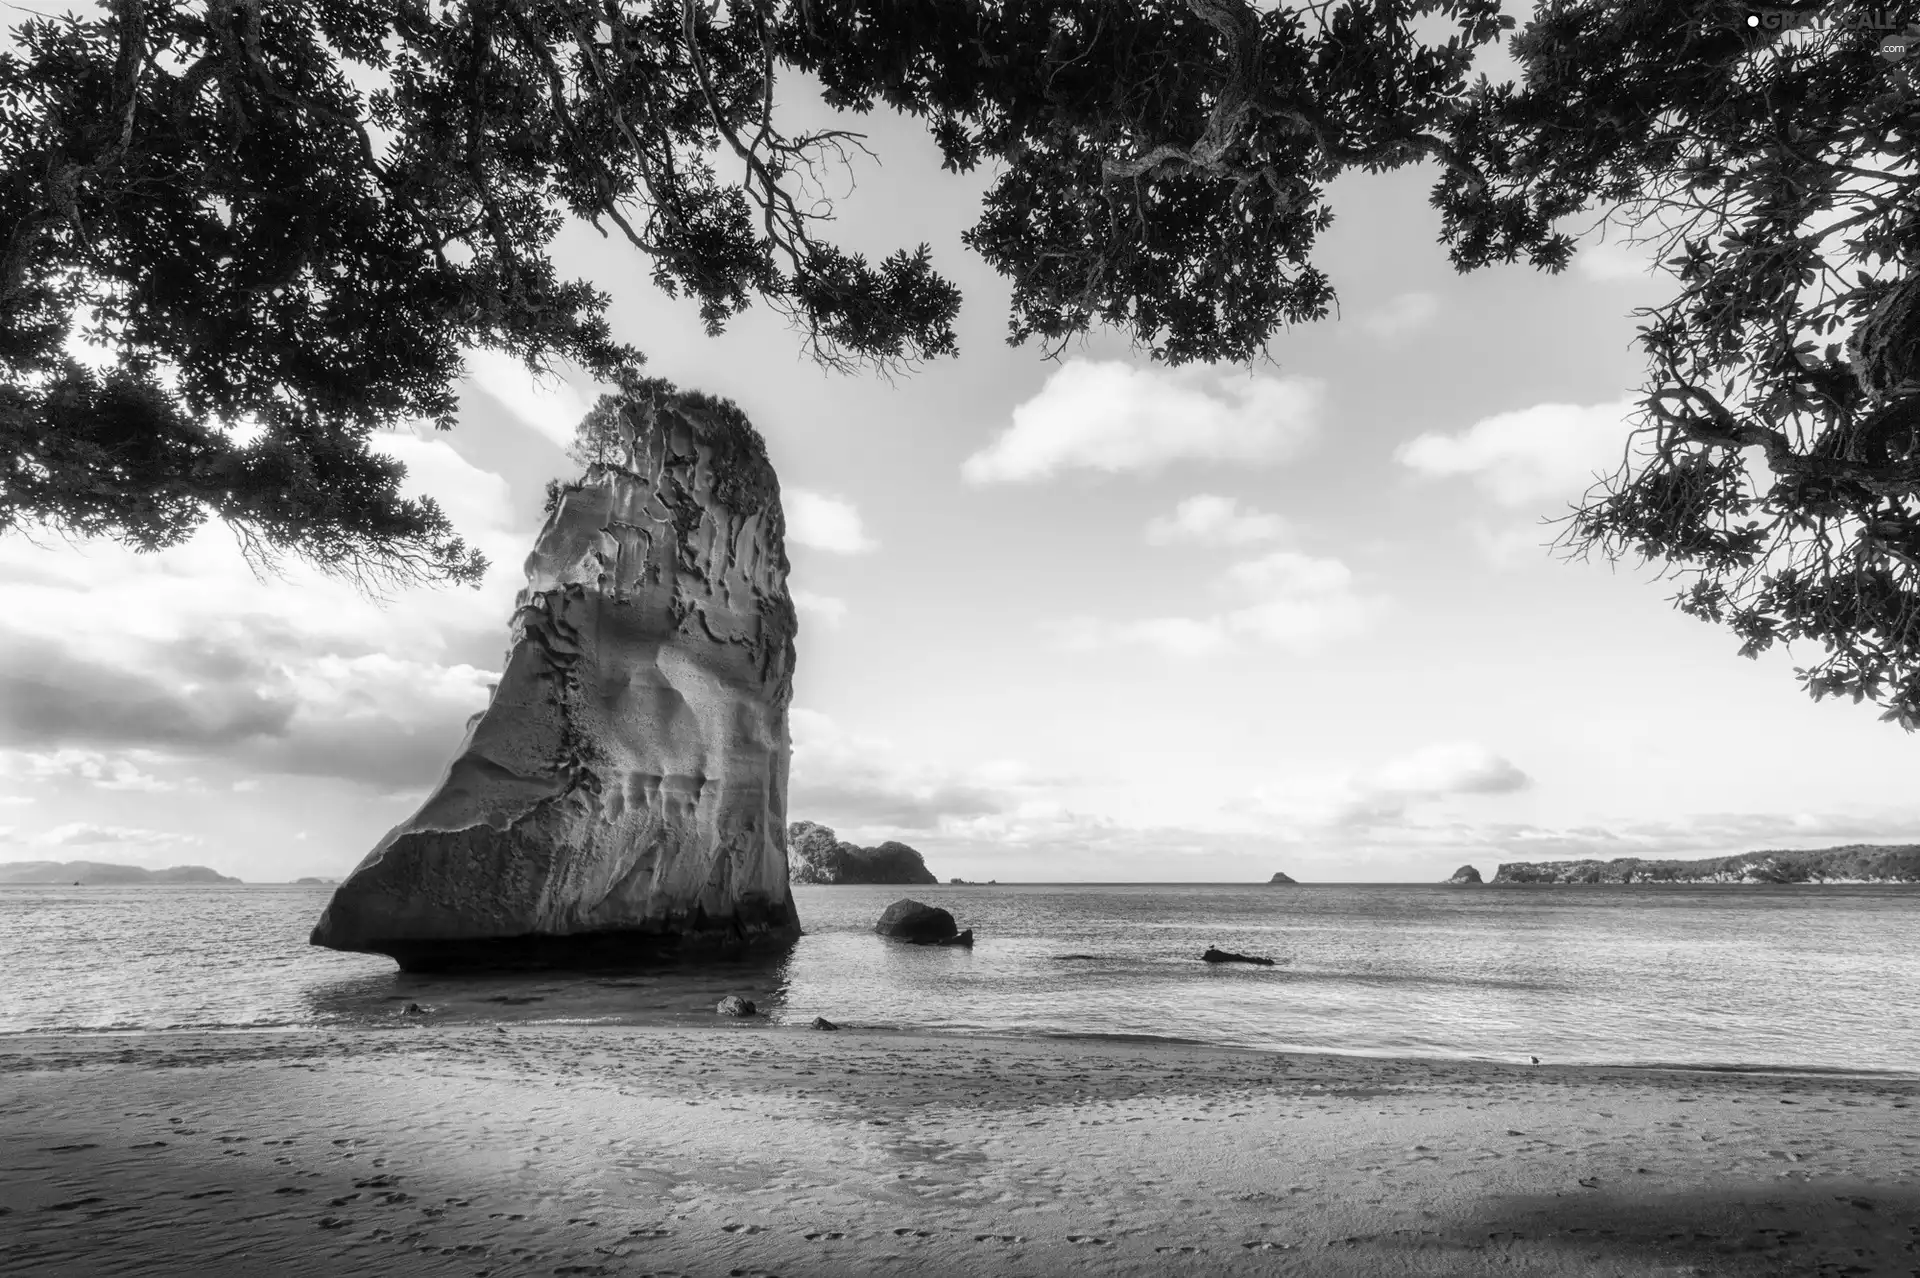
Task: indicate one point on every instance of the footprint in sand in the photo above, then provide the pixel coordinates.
(1267, 1244)
(1178, 1251)
(743, 1229)
(334, 1222)
(648, 1233)
(911, 1233)
(824, 1235)
(1088, 1240)
(1009, 1238)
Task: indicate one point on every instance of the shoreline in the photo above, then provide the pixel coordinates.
(767, 1150)
(760, 1025)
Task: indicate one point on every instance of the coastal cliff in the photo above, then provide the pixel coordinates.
(816, 856)
(1856, 863)
(624, 792)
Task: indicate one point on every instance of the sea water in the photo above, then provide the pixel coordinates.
(1738, 976)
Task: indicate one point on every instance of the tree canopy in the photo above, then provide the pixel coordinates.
(263, 243)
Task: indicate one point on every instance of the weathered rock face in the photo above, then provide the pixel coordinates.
(624, 794)
(1465, 876)
(816, 855)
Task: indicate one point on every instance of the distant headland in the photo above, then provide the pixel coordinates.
(816, 855)
(1855, 863)
(100, 873)
(1282, 880)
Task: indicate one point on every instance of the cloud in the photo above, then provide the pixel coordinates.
(1697, 836)
(1385, 795)
(1114, 417)
(1284, 599)
(103, 771)
(1402, 314)
(185, 653)
(547, 404)
(841, 778)
(86, 834)
(1208, 520)
(1613, 260)
(1522, 457)
(829, 611)
(824, 523)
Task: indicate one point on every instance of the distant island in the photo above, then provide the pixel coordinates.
(1855, 863)
(815, 855)
(99, 873)
(1466, 876)
(310, 881)
(1281, 879)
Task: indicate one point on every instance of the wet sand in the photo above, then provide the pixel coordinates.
(752, 1150)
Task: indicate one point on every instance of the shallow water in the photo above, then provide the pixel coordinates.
(1753, 976)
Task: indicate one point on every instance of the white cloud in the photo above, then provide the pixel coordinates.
(1114, 417)
(845, 779)
(1522, 457)
(1209, 520)
(1402, 314)
(824, 523)
(830, 611)
(1609, 261)
(548, 404)
(1384, 795)
(185, 653)
(87, 834)
(104, 771)
(1283, 599)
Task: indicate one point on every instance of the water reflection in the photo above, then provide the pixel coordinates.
(662, 992)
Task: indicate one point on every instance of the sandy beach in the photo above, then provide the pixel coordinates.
(751, 1150)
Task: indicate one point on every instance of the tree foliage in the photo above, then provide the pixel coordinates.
(257, 238)
(1774, 466)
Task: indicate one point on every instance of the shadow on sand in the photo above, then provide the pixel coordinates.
(1817, 1227)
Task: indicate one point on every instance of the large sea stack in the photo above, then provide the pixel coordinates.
(624, 794)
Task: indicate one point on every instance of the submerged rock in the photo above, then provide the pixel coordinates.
(1227, 956)
(734, 1005)
(822, 1023)
(624, 793)
(816, 855)
(964, 940)
(1465, 876)
(922, 924)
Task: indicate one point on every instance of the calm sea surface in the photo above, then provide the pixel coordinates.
(1809, 976)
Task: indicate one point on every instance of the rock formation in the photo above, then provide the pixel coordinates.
(623, 794)
(1465, 876)
(816, 855)
(1282, 880)
(922, 924)
(1856, 863)
(1228, 956)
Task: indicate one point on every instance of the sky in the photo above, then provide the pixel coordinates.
(1083, 619)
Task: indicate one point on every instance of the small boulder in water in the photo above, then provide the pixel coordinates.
(822, 1023)
(964, 939)
(909, 920)
(734, 1005)
(413, 1009)
(1226, 956)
